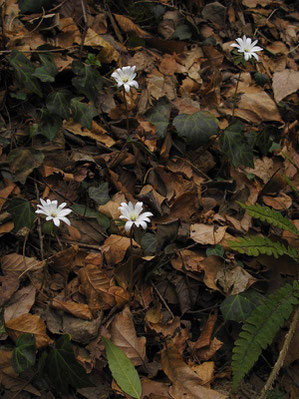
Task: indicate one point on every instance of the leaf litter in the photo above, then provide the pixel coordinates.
(183, 158)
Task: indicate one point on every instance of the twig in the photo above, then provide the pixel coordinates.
(39, 227)
(163, 300)
(279, 363)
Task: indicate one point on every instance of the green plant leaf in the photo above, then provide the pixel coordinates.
(49, 124)
(23, 355)
(82, 112)
(22, 212)
(234, 145)
(182, 32)
(238, 307)
(260, 329)
(149, 243)
(122, 370)
(217, 250)
(24, 71)
(83, 210)
(34, 5)
(159, 116)
(88, 81)
(196, 129)
(63, 368)
(58, 103)
(48, 70)
(19, 95)
(22, 161)
(99, 194)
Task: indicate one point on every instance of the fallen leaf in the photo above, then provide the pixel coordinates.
(115, 248)
(8, 286)
(284, 83)
(207, 353)
(206, 333)
(18, 264)
(123, 335)
(97, 133)
(234, 281)
(280, 203)
(5, 192)
(129, 26)
(20, 303)
(31, 324)
(79, 310)
(64, 261)
(207, 234)
(205, 372)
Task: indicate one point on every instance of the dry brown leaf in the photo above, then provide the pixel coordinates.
(191, 260)
(123, 335)
(280, 203)
(115, 248)
(207, 353)
(186, 383)
(234, 281)
(167, 329)
(97, 133)
(69, 34)
(257, 106)
(284, 83)
(5, 192)
(159, 85)
(254, 3)
(20, 303)
(6, 227)
(205, 372)
(17, 264)
(8, 286)
(64, 261)
(206, 333)
(207, 234)
(168, 65)
(129, 26)
(154, 389)
(263, 168)
(110, 209)
(31, 324)
(79, 310)
(212, 266)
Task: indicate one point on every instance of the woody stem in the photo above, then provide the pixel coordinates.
(235, 95)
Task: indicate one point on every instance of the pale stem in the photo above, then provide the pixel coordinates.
(235, 94)
(127, 114)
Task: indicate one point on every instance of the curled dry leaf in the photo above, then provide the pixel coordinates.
(64, 261)
(206, 333)
(79, 310)
(123, 334)
(31, 324)
(115, 248)
(129, 26)
(18, 264)
(207, 353)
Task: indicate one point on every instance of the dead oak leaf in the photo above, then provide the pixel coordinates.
(115, 248)
(284, 83)
(123, 334)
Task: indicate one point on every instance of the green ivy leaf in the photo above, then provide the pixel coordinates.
(99, 194)
(234, 145)
(122, 370)
(24, 71)
(159, 116)
(22, 212)
(48, 70)
(149, 243)
(23, 355)
(82, 112)
(83, 210)
(88, 81)
(63, 368)
(238, 307)
(19, 95)
(22, 161)
(196, 129)
(58, 103)
(34, 5)
(49, 124)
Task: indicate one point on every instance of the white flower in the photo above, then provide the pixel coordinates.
(132, 213)
(245, 46)
(125, 77)
(53, 212)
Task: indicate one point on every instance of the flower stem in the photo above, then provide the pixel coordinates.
(131, 261)
(127, 114)
(235, 95)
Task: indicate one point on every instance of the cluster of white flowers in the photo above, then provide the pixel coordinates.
(52, 211)
(125, 77)
(134, 215)
(247, 47)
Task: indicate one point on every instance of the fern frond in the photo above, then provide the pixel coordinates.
(260, 329)
(266, 214)
(256, 245)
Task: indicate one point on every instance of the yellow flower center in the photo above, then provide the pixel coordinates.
(53, 214)
(125, 80)
(133, 218)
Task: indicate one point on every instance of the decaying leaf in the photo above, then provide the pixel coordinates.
(14, 264)
(284, 83)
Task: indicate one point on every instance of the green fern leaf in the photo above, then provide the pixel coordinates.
(256, 245)
(266, 214)
(260, 329)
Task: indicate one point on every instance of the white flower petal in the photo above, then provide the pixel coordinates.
(128, 226)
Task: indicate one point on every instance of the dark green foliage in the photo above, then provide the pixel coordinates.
(266, 214)
(62, 367)
(196, 129)
(159, 116)
(149, 243)
(234, 145)
(88, 81)
(83, 210)
(100, 194)
(34, 5)
(256, 245)
(48, 70)
(23, 355)
(260, 329)
(82, 112)
(217, 250)
(49, 124)
(58, 103)
(24, 72)
(22, 213)
(238, 307)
